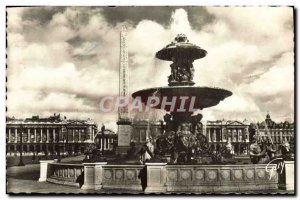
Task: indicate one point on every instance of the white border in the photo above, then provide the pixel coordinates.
(5, 3)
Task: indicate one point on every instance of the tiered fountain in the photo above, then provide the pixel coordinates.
(183, 136)
(182, 139)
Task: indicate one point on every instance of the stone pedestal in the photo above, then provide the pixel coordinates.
(287, 177)
(44, 169)
(93, 176)
(124, 136)
(156, 178)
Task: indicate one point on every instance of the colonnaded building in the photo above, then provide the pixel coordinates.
(56, 134)
(53, 135)
(220, 132)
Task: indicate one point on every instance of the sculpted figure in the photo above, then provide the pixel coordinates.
(285, 151)
(258, 152)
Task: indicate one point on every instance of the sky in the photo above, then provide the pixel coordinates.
(63, 59)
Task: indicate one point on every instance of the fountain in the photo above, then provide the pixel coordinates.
(183, 136)
(182, 141)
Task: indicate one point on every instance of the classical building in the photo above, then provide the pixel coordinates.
(108, 139)
(50, 135)
(276, 133)
(220, 131)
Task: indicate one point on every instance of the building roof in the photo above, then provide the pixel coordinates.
(54, 119)
(228, 123)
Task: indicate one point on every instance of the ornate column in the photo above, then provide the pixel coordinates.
(104, 145)
(28, 135)
(223, 135)
(60, 135)
(47, 130)
(41, 138)
(16, 135)
(73, 132)
(92, 133)
(215, 135)
(79, 135)
(9, 135)
(54, 137)
(35, 135)
(209, 138)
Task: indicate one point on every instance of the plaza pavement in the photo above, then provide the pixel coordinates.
(25, 180)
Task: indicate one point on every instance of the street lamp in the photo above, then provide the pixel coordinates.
(21, 150)
(102, 131)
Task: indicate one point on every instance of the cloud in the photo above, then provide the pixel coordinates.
(64, 59)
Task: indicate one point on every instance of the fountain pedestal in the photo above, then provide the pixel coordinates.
(124, 136)
(93, 176)
(156, 177)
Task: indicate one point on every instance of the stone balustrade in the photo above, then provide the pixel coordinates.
(123, 177)
(220, 178)
(162, 178)
(66, 174)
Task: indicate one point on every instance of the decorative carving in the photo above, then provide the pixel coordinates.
(60, 172)
(199, 174)
(107, 174)
(65, 172)
(225, 174)
(172, 175)
(250, 174)
(130, 174)
(119, 174)
(238, 174)
(261, 174)
(72, 172)
(212, 174)
(185, 174)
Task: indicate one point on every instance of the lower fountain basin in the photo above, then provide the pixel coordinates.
(204, 96)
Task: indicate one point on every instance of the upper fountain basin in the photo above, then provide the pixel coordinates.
(204, 96)
(181, 50)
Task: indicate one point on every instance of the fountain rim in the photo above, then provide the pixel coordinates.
(182, 87)
(164, 53)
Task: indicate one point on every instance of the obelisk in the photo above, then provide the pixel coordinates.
(124, 122)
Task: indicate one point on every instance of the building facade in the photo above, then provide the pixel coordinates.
(52, 135)
(107, 140)
(220, 131)
(276, 133)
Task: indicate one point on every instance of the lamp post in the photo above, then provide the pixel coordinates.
(67, 142)
(21, 149)
(57, 146)
(102, 133)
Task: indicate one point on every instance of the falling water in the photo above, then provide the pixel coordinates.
(268, 132)
(152, 114)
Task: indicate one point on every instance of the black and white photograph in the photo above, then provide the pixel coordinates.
(150, 100)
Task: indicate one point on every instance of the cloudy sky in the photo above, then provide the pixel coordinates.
(63, 59)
